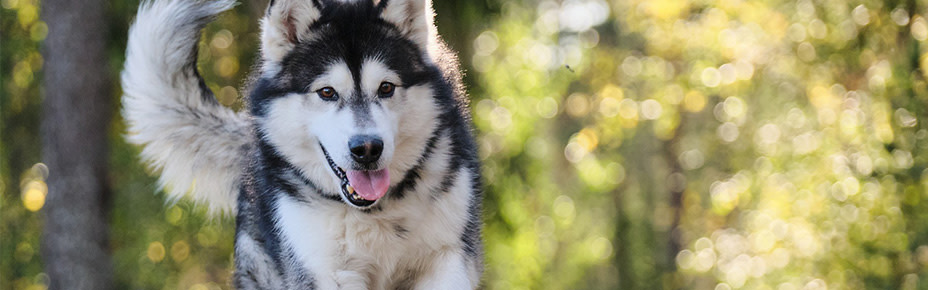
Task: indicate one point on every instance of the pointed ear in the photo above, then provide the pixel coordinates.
(286, 23)
(414, 18)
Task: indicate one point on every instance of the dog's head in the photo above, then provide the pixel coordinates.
(347, 91)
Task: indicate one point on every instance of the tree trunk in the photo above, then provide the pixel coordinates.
(75, 118)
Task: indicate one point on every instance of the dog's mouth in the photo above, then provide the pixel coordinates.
(360, 188)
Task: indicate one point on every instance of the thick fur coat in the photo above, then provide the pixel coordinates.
(354, 165)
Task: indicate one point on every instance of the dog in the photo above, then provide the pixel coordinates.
(353, 165)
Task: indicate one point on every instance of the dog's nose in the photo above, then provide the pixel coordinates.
(365, 149)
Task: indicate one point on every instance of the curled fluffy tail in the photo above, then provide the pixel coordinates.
(198, 145)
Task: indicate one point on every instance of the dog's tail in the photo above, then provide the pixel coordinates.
(198, 145)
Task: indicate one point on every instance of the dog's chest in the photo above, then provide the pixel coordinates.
(346, 248)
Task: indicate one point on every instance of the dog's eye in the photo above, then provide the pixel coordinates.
(386, 89)
(327, 93)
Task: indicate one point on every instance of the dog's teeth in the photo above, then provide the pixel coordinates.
(349, 189)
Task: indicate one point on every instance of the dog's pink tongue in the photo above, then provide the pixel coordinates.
(371, 185)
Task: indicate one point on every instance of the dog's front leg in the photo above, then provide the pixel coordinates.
(450, 270)
(351, 280)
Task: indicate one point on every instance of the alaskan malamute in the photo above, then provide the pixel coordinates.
(354, 165)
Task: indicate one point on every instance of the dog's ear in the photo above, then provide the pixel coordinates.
(414, 18)
(286, 23)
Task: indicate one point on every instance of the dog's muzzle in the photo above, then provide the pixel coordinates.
(349, 194)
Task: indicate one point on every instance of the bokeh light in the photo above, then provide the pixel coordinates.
(631, 144)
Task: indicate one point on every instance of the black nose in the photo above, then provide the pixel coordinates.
(365, 149)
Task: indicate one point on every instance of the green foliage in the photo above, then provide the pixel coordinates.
(626, 144)
(701, 145)
(20, 64)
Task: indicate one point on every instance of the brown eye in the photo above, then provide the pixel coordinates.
(326, 93)
(386, 89)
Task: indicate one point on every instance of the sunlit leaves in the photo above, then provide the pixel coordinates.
(779, 120)
(626, 144)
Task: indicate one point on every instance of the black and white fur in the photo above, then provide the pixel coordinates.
(279, 166)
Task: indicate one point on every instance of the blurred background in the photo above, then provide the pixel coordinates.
(633, 144)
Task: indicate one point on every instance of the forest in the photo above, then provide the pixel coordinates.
(625, 144)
